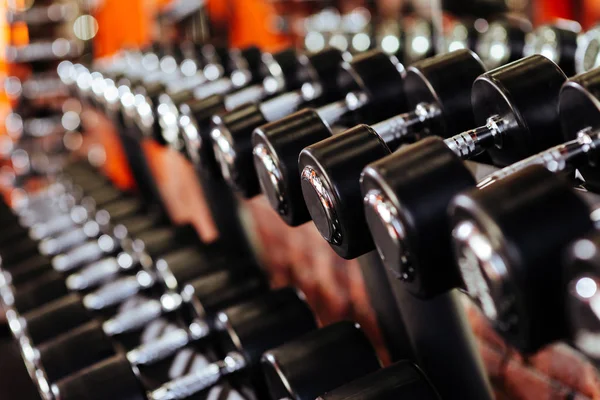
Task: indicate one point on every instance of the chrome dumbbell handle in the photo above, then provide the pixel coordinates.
(195, 382)
(398, 128)
(555, 159)
(168, 345)
(473, 142)
(118, 291)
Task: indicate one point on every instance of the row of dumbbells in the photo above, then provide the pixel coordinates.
(60, 334)
(61, 337)
(523, 109)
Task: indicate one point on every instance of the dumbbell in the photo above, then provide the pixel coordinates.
(376, 92)
(403, 380)
(509, 239)
(406, 194)
(587, 55)
(463, 34)
(244, 332)
(318, 362)
(52, 285)
(503, 42)
(418, 37)
(315, 80)
(557, 41)
(439, 92)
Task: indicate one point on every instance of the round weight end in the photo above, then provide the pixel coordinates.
(277, 146)
(330, 184)
(509, 252)
(407, 213)
(232, 143)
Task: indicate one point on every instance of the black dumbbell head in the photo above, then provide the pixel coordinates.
(75, 350)
(402, 380)
(556, 41)
(55, 318)
(330, 173)
(445, 81)
(503, 41)
(181, 266)
(509, 239)
(277, 146)
(407, 213)
(113, 378)
(318, 362)
(255, 326)
(582, 281)
(38, 292)
(380, 77)
(579, 109)
(323, 68)
(224, 288)
(232, 146)
(525, 94)
(28, 270)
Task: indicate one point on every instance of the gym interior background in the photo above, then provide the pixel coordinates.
(201, 195)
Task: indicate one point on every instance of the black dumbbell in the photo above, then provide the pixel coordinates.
(503, 41)
(439, 91)
(557, 41)
(318, 362)
(246, 331)
(406, 194)
(587, 55)
(463, 34)
(376, 92)
(314, 80)
(509, 240)
(418, 39)
(403, 380)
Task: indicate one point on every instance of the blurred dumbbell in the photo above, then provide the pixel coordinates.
(557, 41)
(376, 92)
(315, 80)
(245, 332)
(587, 55)
(504, 41)
(402, 380)
(516, 106)
(318, 362)
(509, 240)
(439, 92)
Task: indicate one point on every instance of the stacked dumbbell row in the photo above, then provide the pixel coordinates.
(371, 63)
(176, 385)
(511, 131)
